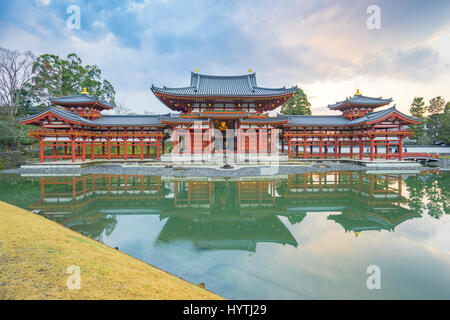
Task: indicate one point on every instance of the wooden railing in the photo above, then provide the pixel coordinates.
(421, 155)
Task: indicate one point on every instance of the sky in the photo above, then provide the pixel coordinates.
(328, 48)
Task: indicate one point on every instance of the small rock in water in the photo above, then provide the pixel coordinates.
(201, 285)
(226, 166)
(37, 211)
(117, 248)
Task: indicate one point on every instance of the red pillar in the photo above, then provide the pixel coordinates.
(336, 148)
(371, 148)
(125, 151)
(304, 148)
(92, 150)
(400, 149)
(142, 149)
(157, 148)
(41, 149)
(320, 148)
(351, 149)
(109, 149)
(54, 152)
(73, 149)
(84, 149)
(289, 147)
(361, 149)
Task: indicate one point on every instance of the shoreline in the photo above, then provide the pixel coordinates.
(35, 254)
(192, 170)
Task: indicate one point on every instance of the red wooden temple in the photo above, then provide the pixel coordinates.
(220, 115)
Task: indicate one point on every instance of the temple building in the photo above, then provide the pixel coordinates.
(220, 116)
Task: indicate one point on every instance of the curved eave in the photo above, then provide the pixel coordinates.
(34, 119)
(183, 122)
(265, 121)
(223, 116)
(400, 115)
(184, 97)
(95, 103)
(348, 103)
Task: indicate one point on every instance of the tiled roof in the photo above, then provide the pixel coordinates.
(71, 116)
(236, 86)
(360, 100)
(278, 118)
(175, 119)
(372, 116)
(310, 121)
(80, 99)
(341, 121)
(128, 120)
(106, 120)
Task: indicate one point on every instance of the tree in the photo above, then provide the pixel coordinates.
(15, 74)
(444, 129)
(418, 110)
(54, 76)
(121, 108)
(434, 108)
(298, 104)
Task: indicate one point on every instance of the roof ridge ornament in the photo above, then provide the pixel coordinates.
(358, 93)
(84, 91)
(250, 70)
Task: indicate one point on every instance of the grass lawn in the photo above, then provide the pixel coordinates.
(35, 254)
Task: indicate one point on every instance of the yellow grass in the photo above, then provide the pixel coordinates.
(35, 253)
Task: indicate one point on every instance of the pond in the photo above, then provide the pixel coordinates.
(304, 236)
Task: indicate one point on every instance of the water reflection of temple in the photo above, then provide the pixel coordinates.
(226, 214)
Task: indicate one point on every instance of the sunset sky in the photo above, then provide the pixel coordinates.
(324, 47)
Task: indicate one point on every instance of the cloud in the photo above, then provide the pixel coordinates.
(420, 64)
(310, 43)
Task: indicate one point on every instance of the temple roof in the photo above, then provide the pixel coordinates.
(295, 120)
(105, 120)
(359, 100)
(310, 121)
(373, 116)
(181, 120)
(128, 120)
(277, 119)
(230, 86)
(68, 115)
(81, 99)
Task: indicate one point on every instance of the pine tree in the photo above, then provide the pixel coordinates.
(297, 105)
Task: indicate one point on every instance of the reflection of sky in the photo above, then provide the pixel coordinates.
(328, 263)
(324, 46)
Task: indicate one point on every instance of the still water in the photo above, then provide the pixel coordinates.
(305, 236)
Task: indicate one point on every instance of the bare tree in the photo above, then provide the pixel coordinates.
(121, 108)
(15, 74)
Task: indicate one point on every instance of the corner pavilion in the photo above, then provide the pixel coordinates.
(219, 115)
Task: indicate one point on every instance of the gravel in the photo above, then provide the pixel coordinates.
(197, 171)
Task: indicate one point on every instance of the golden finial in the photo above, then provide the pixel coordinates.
(84, 91)
(357, 233)
(196, 70)
(358, 93)
(250, 71)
